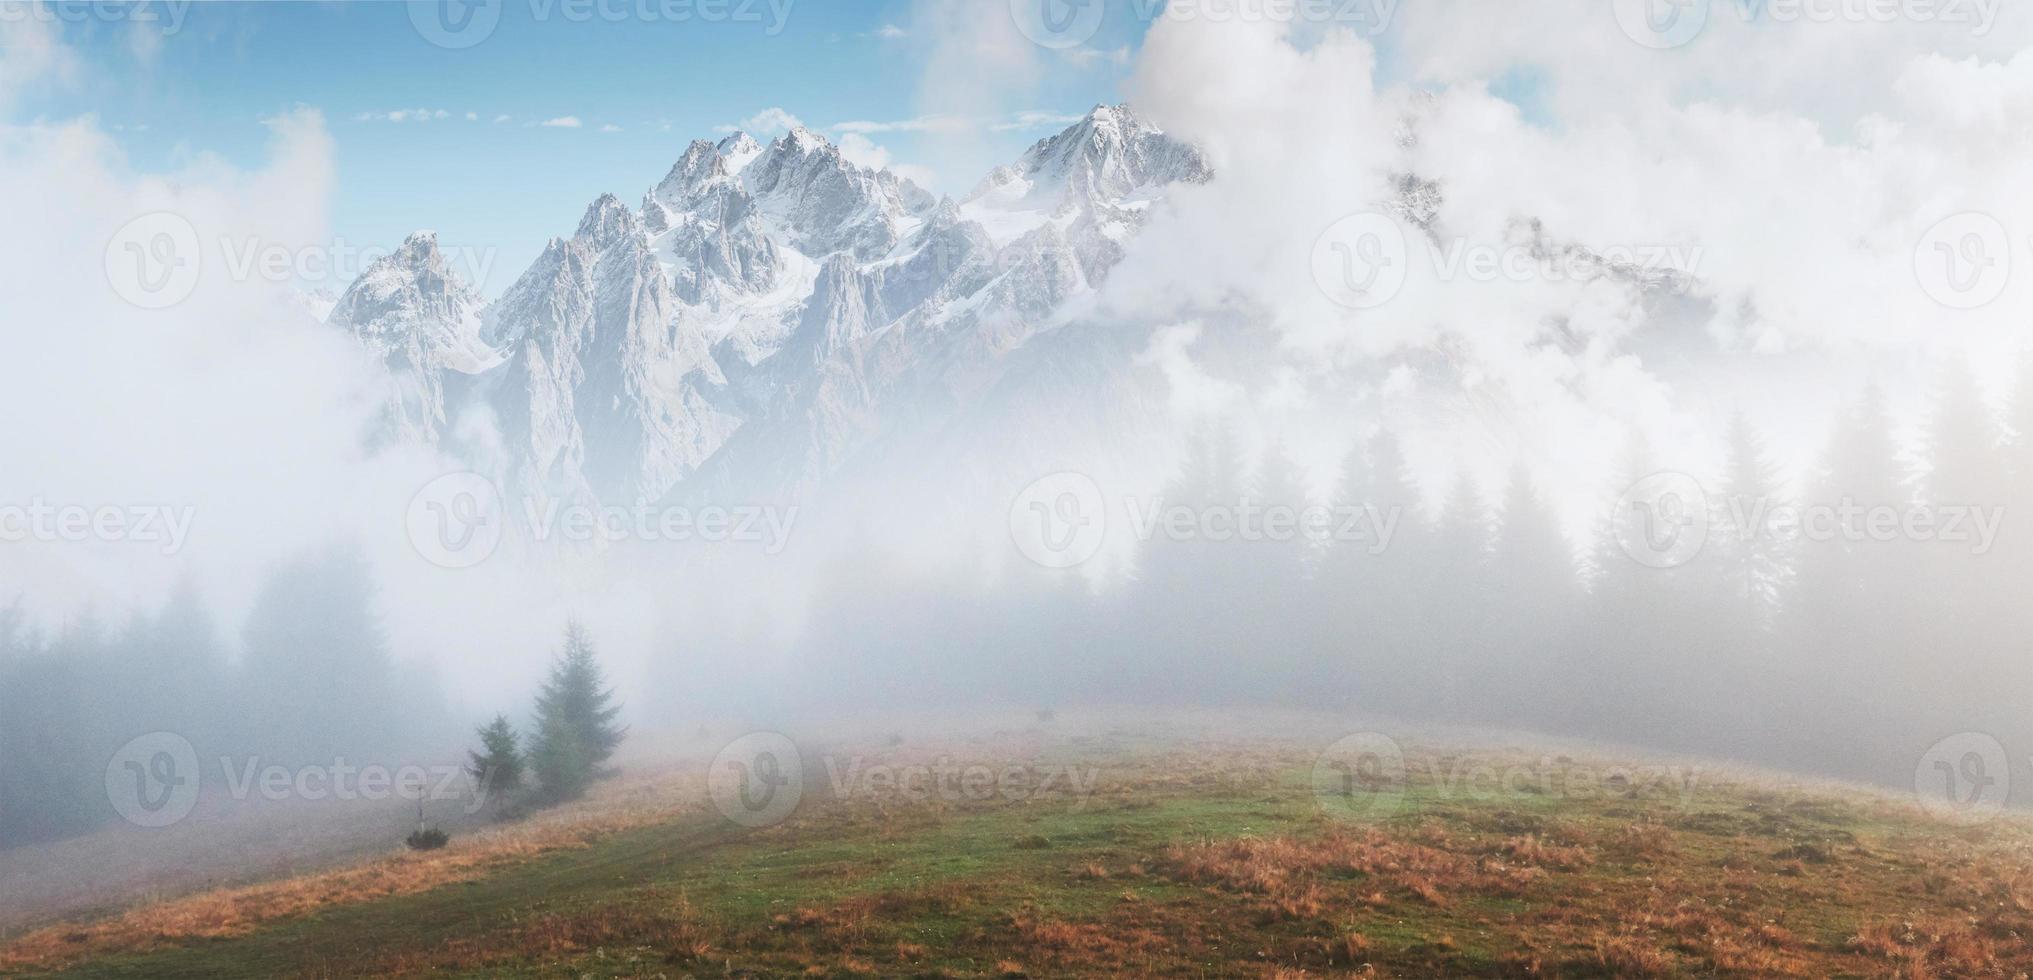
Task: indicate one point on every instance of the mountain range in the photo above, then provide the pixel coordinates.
(766, 314)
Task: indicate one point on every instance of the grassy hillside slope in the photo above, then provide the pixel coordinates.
(1173, 856)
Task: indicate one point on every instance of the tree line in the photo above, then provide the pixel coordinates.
(314, 682)
(1848, 653)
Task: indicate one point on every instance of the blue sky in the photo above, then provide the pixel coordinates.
(640, 86)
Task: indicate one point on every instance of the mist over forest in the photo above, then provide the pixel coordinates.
(1780, 630)
(531, 481)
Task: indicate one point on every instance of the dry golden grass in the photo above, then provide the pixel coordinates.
(1198, 858)
(1285, 871)
(619, 805)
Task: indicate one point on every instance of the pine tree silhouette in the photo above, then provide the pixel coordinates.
(575, 732)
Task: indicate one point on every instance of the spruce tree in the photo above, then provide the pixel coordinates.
(575, 710)
(1534, 596)
(1750, 544)
(499, 764)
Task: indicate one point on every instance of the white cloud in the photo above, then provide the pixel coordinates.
(144, 40)
(405, 115)
(977, 66)
(166, 408)
(609, 128)
(562, 122)
(769, 121)
(958, 125)
(1086, 57)
(920, 124)
(1804, 209)
(862, 151)
(891, 32)
(1035, 119)
(175, 396)
(32, 52)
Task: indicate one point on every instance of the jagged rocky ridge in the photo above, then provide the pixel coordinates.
(764, 314)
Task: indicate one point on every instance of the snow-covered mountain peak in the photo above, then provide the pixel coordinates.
(824, 203)
(738, 149)
(1110, 156)
(805, 141)
(701, 164)
(414, 312)
(419, 243)
(767, 310)
(607, 221)
(410, 289)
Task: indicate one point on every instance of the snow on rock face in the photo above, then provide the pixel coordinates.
(824, 204)
(763, 312)
(411, 310)
(593, 397)
(1105, 158)
(708, 230)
